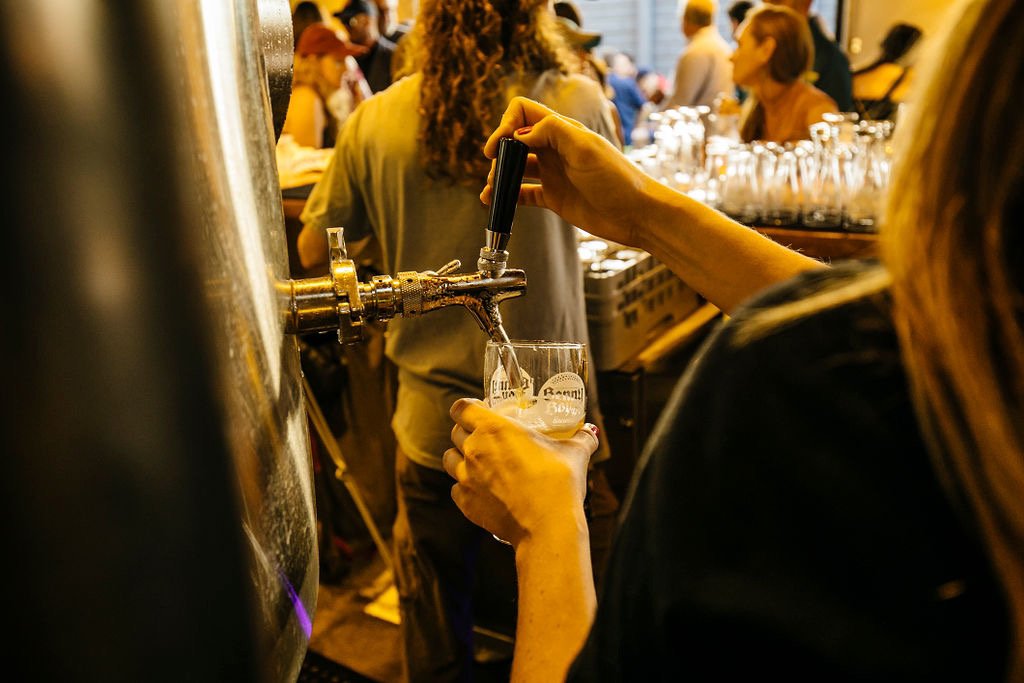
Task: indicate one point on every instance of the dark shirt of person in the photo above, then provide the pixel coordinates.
(832, 67)
(786, 516)
(376, 64)
(627, 98)
(400, 30)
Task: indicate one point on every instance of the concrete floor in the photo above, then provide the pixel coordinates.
(346, 632)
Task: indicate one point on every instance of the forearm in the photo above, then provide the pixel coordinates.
(595, 187)
(311, 246)
(556, 601)
(723, 260)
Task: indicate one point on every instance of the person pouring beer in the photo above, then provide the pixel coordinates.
(836, 488)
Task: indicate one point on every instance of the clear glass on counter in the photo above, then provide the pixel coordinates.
(867, 177)
(782, 187)
(836, 180)
(822, 181)
(740, 192)
(716, 161)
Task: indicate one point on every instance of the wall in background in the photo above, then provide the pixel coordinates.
(869, 20)
(650, 29)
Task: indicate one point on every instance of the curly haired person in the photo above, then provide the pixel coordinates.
(407, 170)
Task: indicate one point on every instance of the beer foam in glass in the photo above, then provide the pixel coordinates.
(552, 396)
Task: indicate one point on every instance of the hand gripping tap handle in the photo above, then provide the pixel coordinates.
(508, 177)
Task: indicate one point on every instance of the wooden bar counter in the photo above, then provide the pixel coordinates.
(826, 245)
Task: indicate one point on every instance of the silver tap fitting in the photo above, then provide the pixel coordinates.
(493, 255)
(339, 301)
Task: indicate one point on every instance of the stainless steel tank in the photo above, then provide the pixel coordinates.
(156, 483)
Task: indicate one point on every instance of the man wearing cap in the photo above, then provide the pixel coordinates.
(582, 43)
(703, 70)
(360, 20)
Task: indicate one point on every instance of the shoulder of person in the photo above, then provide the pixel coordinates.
(700, 59)
(401, 96)
(720, 42)
(875, 82)
(905, 86)
(405, 88)
(850, 324)
(578, 97)
(818, 30)
(827, 103)
(303, 95)
(570, 90)
(800, 286)
(814, 98)
(386, 44)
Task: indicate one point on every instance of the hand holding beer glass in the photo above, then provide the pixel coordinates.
(552, 396)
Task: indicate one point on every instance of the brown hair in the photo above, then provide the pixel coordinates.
(469, 53)
(792, 59)
(954, 257)
(956, 254)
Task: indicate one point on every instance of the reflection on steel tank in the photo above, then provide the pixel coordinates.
(156, 478)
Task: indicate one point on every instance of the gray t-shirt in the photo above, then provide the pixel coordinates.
(375, 185)
(703, 70)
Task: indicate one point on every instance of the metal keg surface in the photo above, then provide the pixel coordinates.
(156, 483)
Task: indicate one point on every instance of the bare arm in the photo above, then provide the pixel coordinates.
(528, 489)
(306, 118)
(588, 182)
(334, 200)
(311, 246)
(557, 601)
(725, 261)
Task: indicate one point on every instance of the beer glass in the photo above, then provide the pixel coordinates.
(739, 193)
(781, 188)
(552, 396)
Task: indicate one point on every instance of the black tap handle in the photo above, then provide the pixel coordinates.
(508, 177)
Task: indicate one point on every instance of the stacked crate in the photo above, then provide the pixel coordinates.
(631, 298)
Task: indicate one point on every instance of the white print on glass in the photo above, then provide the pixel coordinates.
(558, 406)
(501, 388)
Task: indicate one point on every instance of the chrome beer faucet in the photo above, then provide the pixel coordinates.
(339, 301)
(508, 178)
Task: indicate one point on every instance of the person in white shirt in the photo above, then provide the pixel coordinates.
(703, 70)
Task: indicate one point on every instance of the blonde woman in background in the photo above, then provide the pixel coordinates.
(836, 489)
(407, 170)
(326, 86)
(772, 58)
